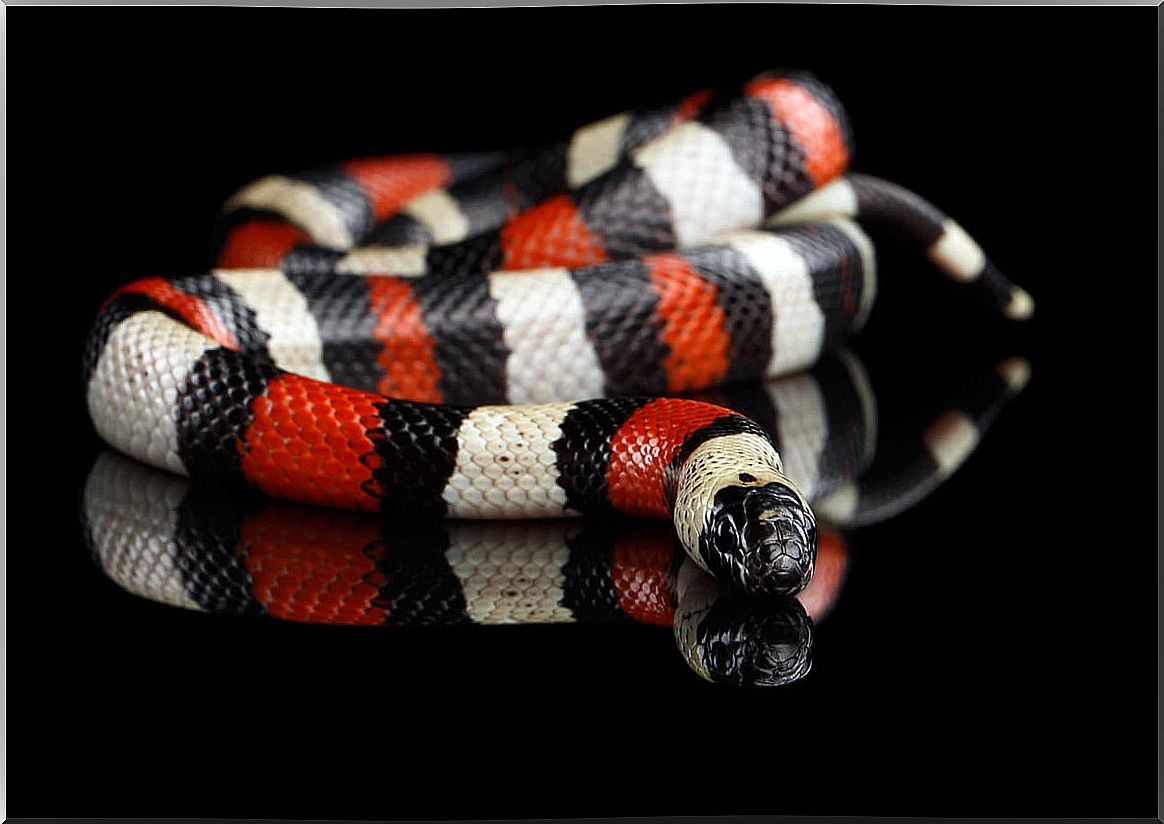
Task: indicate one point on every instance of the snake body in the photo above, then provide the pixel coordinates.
(481, 336)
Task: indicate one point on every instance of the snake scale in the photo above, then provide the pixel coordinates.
(488, 335)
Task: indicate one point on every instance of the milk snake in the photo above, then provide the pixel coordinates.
(480, 336)
(189, 546)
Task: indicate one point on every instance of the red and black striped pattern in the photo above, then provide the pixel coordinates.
(663, 324)
(616, 189)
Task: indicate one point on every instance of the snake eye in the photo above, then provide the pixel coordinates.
(727, 534)
(761, 539)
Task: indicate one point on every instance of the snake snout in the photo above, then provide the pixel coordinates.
(787, 552)
(761, 539)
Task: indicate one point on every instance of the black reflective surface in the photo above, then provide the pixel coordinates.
(191, 547)
(991, 651)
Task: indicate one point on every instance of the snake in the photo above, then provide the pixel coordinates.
(187, 545)
(498, 335)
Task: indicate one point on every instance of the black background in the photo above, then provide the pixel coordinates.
(993, 652)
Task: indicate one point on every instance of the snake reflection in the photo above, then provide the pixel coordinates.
(164, 539)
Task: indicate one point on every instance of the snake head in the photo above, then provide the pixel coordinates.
(761, 539)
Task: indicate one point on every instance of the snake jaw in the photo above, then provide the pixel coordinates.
(761, 539)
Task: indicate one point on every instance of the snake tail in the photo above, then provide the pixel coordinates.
(879, 202)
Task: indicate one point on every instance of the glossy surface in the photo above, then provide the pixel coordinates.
(190, 546)
(991, 652)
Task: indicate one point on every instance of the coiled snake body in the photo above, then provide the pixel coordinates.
(481, 336)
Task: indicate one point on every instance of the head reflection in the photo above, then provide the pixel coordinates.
(744, 641)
